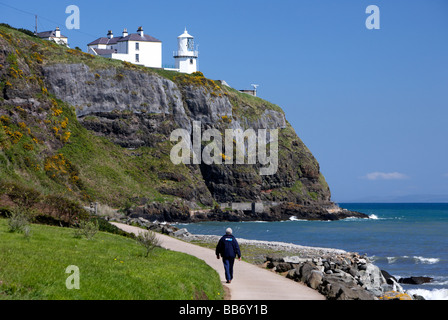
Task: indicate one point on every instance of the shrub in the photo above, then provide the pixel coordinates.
(5, 120)
(23, 197)
(148, 239)
(198, 74)
(105, 226)
(65, 209)
(19, 221)
(88, 228)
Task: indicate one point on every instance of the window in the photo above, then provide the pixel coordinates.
(137, 58)
(137, 46)
(191, 61)
(190, 44)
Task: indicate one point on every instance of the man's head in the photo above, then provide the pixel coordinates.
(229, 231)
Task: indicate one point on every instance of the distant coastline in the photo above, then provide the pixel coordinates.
(416, 198)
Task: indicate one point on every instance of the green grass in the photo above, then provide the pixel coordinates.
(111, 268)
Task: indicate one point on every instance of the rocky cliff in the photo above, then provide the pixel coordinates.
(99, 130)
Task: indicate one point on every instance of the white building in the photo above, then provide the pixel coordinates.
(54, 35)
(138, 48)
(186, 58)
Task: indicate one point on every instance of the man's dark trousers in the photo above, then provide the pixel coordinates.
(228, 267)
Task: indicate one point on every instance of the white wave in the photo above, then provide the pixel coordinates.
(391, 260)
(373, 217)
(439, 281)
(354, 219)
(398, 259)
(424, 260)
(435, 294)
(294, 218)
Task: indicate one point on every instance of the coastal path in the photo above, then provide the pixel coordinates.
(250, 282)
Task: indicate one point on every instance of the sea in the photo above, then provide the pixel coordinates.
(404, 239)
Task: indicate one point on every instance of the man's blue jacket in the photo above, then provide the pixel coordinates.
(228, 247)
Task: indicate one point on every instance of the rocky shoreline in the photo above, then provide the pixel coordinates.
(335, 273)
(181, 212)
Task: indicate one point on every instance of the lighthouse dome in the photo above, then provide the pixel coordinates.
(185, 35)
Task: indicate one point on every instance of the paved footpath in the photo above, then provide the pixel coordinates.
(249, 281)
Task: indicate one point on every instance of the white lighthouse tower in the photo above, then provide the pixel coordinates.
(185, 56)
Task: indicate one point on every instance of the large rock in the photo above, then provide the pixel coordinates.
(415, 280)
(389, 278)
(372, 279)
(181, 233)
(305, 271)
(395, 295)
(314, 280)
(342, 287)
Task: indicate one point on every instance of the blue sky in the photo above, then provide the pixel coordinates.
(371, 105)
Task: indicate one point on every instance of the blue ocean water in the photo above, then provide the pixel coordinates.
(403, 239)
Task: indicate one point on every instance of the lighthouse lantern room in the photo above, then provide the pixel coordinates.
(185, 56)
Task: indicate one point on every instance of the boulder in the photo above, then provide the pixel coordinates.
(275, 258)
(394, 295)
(389, 278)
(143, 221)
(371, 278)
(168, 230)
(294, 274)
(283, 267)
(314, 279)
(181, 233)
(295, 259)
(353, 272)
(305, 271)
(415, 280)
(355, 293)
(342, 286)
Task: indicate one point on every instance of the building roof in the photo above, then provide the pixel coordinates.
(104, 51)
(104, 40)
(137, 37)
(131, 37)
(49, 34)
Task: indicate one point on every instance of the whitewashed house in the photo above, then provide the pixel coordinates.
(138, 48)
(54, 35)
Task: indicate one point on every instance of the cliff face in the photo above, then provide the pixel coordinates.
(136, 109)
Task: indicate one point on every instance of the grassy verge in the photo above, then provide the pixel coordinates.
(111, 268)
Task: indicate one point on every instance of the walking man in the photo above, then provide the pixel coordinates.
(228, 249)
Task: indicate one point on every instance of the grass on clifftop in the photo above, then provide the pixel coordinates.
(111, 268)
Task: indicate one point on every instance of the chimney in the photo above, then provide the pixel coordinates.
(110, 35)
(57, 32)
(140, 31)
(125, 33)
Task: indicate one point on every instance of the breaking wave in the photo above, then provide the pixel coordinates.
(415, 259)
(435, 294)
